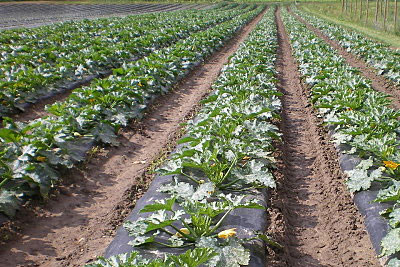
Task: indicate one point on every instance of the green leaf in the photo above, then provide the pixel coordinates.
(154, 226)
(269, 241)
(187, 153)
(360, 180)
(55, 159)
(179, 189)
(119, 71)
(122, 260)
(194, 258)
(257, 175)
(171, 167)
(76, 149)
(209, 99)
(231, 254)
(105, 133)
(203, 191)
(9, 202)
(393, 263)
(160, 205)
(141, 240)
(44, 175)
(394, 218)
(191, 258)
(391, 242)
(9, 135)
(392, 193)
(186, 140)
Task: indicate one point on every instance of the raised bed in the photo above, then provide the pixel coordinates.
(246, 221)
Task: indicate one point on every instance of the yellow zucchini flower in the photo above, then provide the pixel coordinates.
(227, 233)
(391, 164)
(183, 230)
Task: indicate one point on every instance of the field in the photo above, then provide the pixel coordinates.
(33, 14)
(225, 134)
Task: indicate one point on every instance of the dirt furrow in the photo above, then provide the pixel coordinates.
(78, 223)
(312, 213)
(379, 82)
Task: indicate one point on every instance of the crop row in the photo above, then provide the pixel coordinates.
(37, 61)
(31, 154)
(380, 56)
(223, 161)
(360, 118)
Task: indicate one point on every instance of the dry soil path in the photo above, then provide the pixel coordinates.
(312, 213)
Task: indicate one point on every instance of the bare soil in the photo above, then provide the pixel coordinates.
(379, 82)
(77, 223)
(312, 213)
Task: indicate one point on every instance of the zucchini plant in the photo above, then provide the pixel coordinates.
(224, 159)
(36, 62)
(31, 154)
(379, 55)
(360, 118)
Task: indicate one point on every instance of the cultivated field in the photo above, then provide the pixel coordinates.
(229, 134)
(15, 15)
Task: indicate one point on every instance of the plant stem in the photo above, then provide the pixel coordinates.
(230, 168)
(171, 246)
(190, 177)
(4, 181)
(182, 233)
(187, 226)
(229, 184)
(220, 221)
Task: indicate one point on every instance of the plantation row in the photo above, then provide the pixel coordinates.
(32, 154)
(359, 117)
(225, 157)
(32, 15)
(222, 163)
(384, 59)
(35, 62)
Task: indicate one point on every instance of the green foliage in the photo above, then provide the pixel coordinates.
(32, 153)
(41, 60)
(191, 258)
(8, 202)
(393, 263)
(391, 242)
(380, 56)
(360, 117)
(361, 177)
(224, 158)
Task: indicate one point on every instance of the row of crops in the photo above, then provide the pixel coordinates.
(32, 154)
(380, 56)
(223, 162)
(359, 117)
(36, 62)
(225, 159)
(227, 149)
